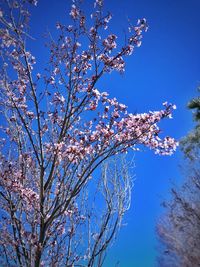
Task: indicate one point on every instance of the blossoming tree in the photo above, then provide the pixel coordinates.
(57, 128)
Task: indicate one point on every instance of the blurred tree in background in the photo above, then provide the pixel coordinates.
(179, 229)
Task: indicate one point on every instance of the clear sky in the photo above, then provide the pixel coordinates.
(165, 67)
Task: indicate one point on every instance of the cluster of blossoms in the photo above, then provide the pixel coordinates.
(74, 13)
(110, 42)
(113, 128)
(110, 62)
(13, 180)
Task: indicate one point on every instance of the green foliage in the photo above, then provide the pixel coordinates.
(190, 144)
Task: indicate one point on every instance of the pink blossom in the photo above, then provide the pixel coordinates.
(74, 13)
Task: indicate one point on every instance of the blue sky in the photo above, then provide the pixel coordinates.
(166, 67)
